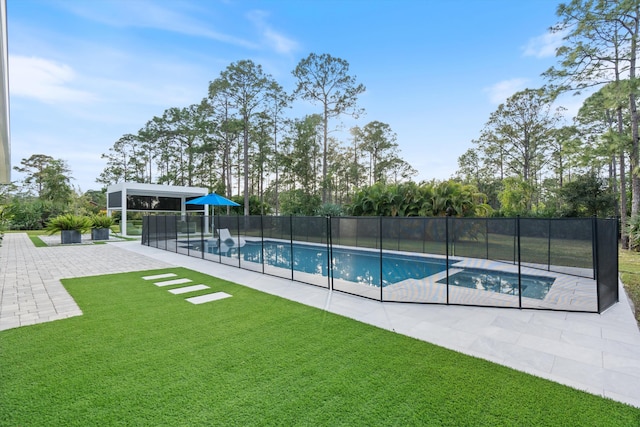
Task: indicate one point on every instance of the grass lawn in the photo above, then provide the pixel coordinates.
(630, 273)
(142, 356)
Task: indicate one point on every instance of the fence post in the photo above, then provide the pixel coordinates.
(329, 254)
(549, 245)
(519, 264)
(424, 234)
(202, 245)
(594, 250)
(177, 220)
(165, 233)
(446, 236)
(219, 240)
(381, 271)
(262, 242)
(486, 235)
(239, 248)
(291, 243)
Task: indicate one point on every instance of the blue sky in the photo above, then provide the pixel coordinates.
(83, 73)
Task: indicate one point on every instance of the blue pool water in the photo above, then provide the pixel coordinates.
(352, 265)
(505, 283)
(364, 267)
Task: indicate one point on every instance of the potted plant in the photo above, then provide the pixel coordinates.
(70, 227)
(100, 227)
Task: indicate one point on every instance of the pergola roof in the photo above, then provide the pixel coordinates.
(138, 189)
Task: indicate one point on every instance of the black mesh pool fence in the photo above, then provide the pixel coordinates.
(568, 264)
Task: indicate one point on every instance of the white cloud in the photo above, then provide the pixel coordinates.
(544, 46)
(275, 40)
(150, 14)
(499, 92)
(280, 43)
(44, 80)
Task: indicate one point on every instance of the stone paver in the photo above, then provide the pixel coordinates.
(208, 298)
(188, 289)
(597, 353)
(31, 291)
(173, 282)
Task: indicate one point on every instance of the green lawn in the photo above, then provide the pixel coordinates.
(142, 356)
(630, 274)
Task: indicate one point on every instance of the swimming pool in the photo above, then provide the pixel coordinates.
(357, 266)
(363, 267)
(536, 287)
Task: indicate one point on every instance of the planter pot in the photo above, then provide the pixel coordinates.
(71, 236)
(99, 234)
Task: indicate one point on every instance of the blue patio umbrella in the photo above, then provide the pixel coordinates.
(212, 199)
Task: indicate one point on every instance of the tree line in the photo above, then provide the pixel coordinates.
(529, 160)
(242, 140)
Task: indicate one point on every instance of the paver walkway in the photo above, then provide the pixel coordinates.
(596, 353)
(31, 290)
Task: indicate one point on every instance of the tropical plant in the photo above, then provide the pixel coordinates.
(29, 213)
(633, 230)
(329, 209)
(5, 216)
(101, 221)
(69, 222)
(256, 207)
(297, 202)
(426, 199)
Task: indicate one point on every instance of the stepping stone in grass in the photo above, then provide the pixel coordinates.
(173, 282)
(159, 276)
(209, 297)
(188, 289)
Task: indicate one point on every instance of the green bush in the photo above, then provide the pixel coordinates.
(69, 222)
(101, 221)
(633, 228)
(329, 209)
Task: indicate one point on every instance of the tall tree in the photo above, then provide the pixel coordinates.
(33, 168)
(277, 101)
(228, 129)
(50, 178)
(521, 130)
(56, 183)
(470, 167)
(247, 86)
(600, 46)
(380, 142)
(563, 144)
(325, 79)
(303, 141)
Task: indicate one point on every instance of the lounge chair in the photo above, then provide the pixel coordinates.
(226, 238)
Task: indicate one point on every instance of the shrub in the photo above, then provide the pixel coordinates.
(329, 209)
(69, 222)
(633, 228)
(101, 221)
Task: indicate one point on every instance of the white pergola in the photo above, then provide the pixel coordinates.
(122, 197)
